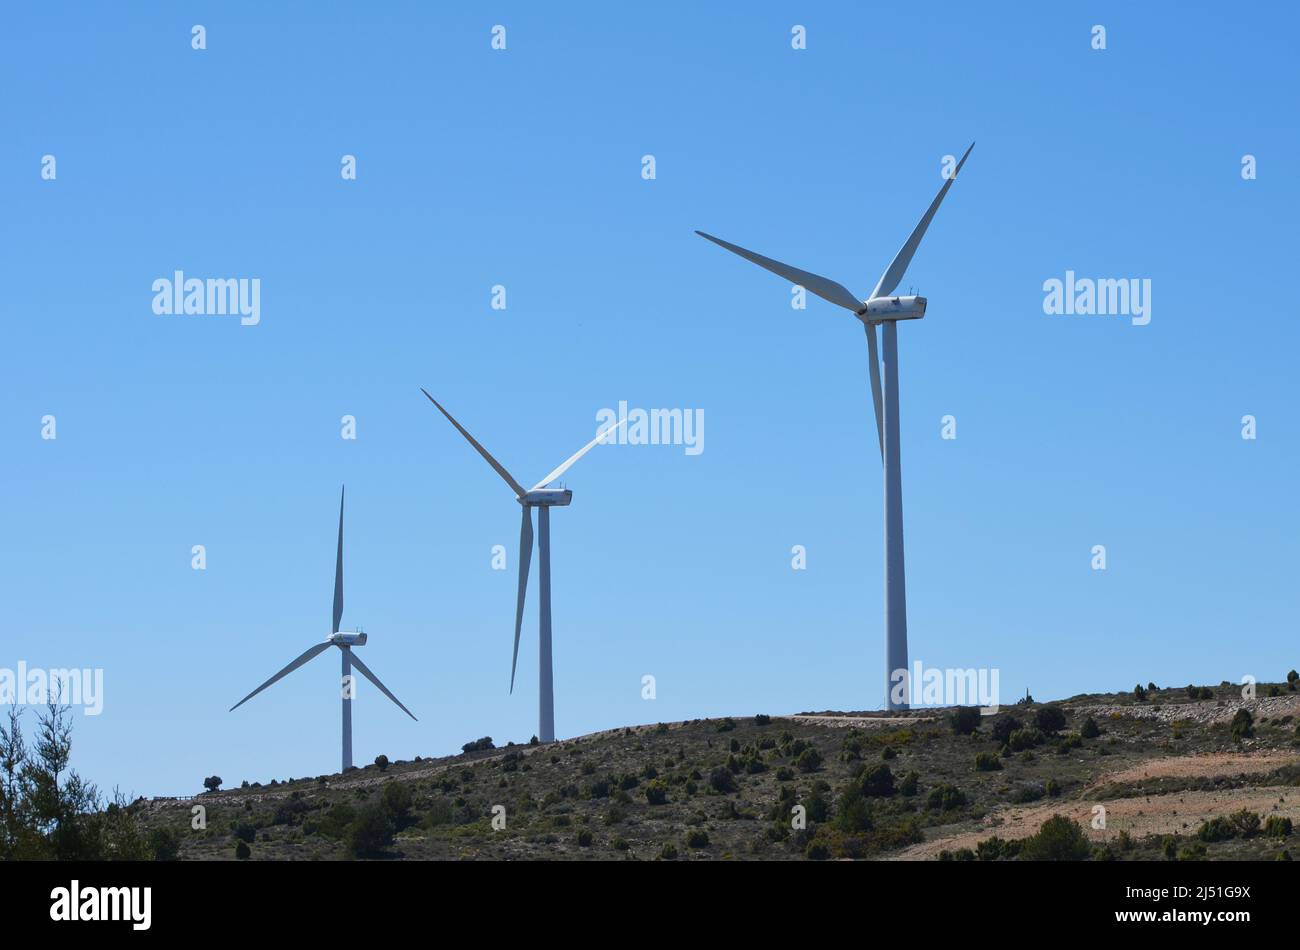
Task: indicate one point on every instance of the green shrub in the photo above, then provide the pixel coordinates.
(212, 783)
(817, 850)
(620, 844)
(964, 720)
(810, 760)
(1277, 827)
(164, 845)
(396, 800)
(371, 832)
(1139, 693)
(478, 745)
(722, 780)
(1059, 839)
(909, 784)
(1052, 788)
(817, 804)
(1216, 829)
(877, 781)
(1023, 739)
(584, 838)
(1025, 794)
(945, 797)
(1090, 729)
(726, 725)
(762, 719)
(987, 762)
(996, 849)
(1245, 822)
(242, 851)
(852, 811)
(244, 831)
(1003, 726)
(1243, 725)
(656, 793)
(1050, 719)
(668, 852)
(381, 762)
(697, 838)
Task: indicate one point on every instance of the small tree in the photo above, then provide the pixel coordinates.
(1003, 726)
(212, 783)
(381, 762)
(1059, 839)
(1089, 730)
(810, 760)
(853, 811)
(1243, 725)
(164, 844)
(964, 720)
(371, 833)
(1139, 693)
(1050, 719)
(396, 800)
(877, 781)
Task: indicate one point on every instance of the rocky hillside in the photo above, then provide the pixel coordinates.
(1193, 773)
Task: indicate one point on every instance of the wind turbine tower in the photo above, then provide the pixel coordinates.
(885, 311)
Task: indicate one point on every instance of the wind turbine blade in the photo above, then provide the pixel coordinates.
(500, 470)
(338, 571)
(564, 466)
(365, 671)
(821, 286)
(874, 354)
(315, 651)
(890, 278)
(525, 558)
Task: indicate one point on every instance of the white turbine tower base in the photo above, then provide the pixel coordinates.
(543, 499)
(345, 640)
(880, 309)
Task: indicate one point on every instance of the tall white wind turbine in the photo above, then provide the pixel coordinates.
(881, 308)
(345, 640)
(543, 499)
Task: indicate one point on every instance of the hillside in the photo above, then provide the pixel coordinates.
(873, 785)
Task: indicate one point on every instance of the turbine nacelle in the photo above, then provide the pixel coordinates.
(348, 638)
(547, 497)
(893, 308)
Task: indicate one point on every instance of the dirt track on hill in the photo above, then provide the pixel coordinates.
(1174, 813)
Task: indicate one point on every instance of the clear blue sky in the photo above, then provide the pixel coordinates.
(522, 168)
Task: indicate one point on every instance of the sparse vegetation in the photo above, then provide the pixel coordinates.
(738, 789)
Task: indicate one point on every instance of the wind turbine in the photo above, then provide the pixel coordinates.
(345, 640)
(879, 309)
(543, 499)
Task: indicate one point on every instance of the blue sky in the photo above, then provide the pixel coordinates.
(522, 168)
